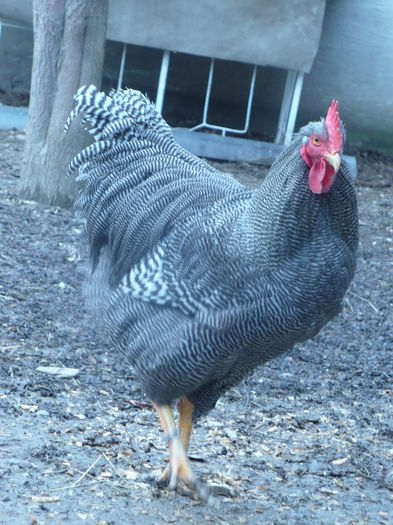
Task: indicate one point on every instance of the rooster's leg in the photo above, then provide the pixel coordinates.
(179, 465)
(185, 408)
(180, 469)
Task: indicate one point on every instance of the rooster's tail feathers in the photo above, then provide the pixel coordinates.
(124, 112)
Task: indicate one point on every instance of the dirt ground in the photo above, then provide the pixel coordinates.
(307, 440)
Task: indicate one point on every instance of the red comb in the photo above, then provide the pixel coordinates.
(332, 123)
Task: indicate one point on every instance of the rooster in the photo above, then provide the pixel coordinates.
(198, 279)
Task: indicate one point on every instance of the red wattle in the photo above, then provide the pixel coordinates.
(316, 176)
(321, 177)
(330, 177)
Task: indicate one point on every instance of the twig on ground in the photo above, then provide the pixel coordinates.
(365, 300)
(8, 259)
(113, 467)
(94, 480)
(84, 474)
(138, 404)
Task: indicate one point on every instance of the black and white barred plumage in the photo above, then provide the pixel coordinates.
(200, 279)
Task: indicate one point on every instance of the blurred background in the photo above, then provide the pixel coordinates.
(333, 48)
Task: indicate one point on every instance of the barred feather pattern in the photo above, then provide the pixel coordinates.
(198, 279)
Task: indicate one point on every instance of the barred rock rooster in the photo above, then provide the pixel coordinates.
(198, 279)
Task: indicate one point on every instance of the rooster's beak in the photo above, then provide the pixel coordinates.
(334, 160)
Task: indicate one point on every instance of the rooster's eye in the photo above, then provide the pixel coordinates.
(316, 141)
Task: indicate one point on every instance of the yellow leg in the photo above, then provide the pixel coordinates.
(179, 468)
(186, 408)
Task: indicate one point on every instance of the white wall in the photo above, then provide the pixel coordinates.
(355, 65)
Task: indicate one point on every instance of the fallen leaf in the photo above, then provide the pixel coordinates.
(30, 408)
(58, 371)
(130, 474)
(221, 490)
(339, 461)
(138, 404)
(44, 499)
(327, 490)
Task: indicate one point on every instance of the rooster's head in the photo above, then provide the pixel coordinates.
(322, 150)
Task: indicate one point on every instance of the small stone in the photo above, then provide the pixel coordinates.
(232, 434)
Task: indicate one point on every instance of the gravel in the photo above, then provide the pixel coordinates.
(307, 439)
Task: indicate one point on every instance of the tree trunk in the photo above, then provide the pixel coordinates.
(69, 41)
